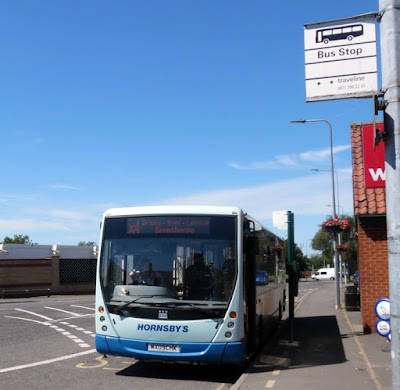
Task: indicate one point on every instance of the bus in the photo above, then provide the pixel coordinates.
(337, 33)
(178, 284)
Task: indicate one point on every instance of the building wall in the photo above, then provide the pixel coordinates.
(373, 267)
(37, 267)
(34, 273)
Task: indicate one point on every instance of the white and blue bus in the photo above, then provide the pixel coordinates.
(198, 284)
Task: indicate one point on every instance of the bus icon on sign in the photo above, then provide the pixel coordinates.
(336, 33)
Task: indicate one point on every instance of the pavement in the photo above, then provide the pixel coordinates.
(329, 350)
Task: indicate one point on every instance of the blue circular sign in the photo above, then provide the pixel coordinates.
(382, 309)
(382, 327)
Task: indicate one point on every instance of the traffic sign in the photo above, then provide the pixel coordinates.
(382, 309)
(383, 328)
(340, 59)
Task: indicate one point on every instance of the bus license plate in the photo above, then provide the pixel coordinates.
(164, 348)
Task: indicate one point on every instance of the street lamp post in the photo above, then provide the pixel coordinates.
(335, 248)
(339, 236)
(337, 187)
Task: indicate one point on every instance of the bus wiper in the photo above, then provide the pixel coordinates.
(119, 309)
(211, 313)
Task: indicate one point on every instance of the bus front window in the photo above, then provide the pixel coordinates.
(174, 263)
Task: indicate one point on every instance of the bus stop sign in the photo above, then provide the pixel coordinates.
(340, 59)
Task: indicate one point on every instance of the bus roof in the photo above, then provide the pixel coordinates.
(173, 209)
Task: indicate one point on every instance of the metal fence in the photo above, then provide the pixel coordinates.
(78, 270)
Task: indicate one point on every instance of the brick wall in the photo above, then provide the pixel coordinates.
(373, 266)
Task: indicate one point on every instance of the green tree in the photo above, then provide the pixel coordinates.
(299, 257)
(323, 242)
(18, 239)
(315, 262)
(88, 243)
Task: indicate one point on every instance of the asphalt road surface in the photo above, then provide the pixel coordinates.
(48, 343)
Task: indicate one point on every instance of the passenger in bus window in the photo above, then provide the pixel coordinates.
(198, 280)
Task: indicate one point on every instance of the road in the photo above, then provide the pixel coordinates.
(47, 343)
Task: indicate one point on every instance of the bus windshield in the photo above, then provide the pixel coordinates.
(183, 267)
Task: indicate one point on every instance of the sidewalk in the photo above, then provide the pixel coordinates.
(329, 351)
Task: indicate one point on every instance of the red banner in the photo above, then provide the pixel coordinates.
(374, 158)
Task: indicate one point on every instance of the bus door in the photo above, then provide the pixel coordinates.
(250, 245)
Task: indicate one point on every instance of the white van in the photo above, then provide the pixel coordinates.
(324, 274)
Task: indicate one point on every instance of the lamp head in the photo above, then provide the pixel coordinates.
(299, 121)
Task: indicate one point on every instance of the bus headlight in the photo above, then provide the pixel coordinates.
(231, 324)
(104, 328)
(102, 318)
(228, 335)
(101, 309)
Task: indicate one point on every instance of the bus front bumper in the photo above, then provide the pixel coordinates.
(215, 353)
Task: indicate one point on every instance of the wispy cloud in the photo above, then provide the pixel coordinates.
(68, 214)
(289, 161)
(280, 162)
(307, 195)
(318, 155)
(8, 226)
(64, 187)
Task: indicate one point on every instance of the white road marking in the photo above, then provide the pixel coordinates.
(35, 314)
(84, 307)
(15, 368)
(24, 319)
(270, 384)
(52, 325)
(63, 311)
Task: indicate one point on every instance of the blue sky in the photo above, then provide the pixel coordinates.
(125, 103)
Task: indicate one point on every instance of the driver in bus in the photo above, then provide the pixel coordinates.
(198, 280)
(147, 277)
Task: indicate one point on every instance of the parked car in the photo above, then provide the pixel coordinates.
(261, 278)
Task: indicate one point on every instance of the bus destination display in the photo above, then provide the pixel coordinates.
(168, 225)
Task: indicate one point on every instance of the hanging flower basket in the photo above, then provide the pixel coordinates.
(331, 229)
(335, 225)
(342, 248)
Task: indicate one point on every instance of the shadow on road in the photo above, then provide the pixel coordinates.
(180, 371)
(317, 342)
